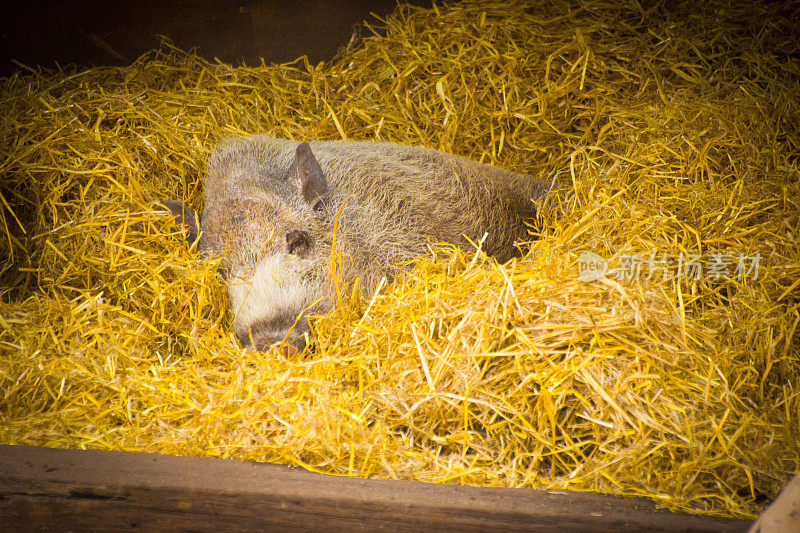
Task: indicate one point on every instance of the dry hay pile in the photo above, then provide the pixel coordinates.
(677, 133)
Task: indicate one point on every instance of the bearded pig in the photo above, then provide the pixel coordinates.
(272, 205)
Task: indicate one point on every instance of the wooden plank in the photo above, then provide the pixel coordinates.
(783, 514)
(90, 490)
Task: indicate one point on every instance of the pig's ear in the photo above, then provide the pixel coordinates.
(307, 177)
(184, 217)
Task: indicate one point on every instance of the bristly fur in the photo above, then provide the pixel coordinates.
(390, 200)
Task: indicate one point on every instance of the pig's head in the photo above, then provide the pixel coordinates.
(263, 217)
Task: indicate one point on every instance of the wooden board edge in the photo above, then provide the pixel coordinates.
(93, 490)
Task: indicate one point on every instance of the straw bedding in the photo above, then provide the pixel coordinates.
(674, 131)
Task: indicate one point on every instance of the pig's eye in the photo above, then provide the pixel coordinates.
(297, 242)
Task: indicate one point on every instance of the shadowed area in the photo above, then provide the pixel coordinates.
(95, 33)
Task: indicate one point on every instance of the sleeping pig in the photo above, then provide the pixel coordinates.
(275, 210)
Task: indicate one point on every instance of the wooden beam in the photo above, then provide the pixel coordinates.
(90, 490)
(783, 514)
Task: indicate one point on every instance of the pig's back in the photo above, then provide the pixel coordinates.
(432, 194)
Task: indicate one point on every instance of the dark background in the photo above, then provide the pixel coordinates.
(94, 33)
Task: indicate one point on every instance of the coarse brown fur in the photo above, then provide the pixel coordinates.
(387, 201)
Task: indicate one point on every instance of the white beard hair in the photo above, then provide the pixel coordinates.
(275, 288)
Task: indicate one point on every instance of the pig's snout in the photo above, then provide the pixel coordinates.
(267, 333)
(292, 345)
